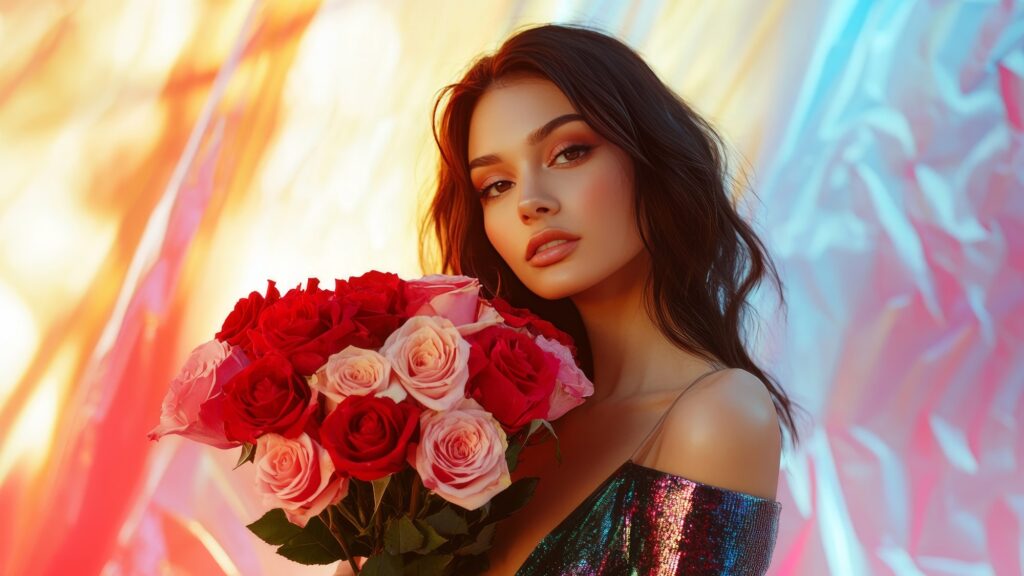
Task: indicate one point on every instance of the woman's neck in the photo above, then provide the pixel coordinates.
(631, 355)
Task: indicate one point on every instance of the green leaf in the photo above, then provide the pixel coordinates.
(428, 565)
(346, 514)
(448, 522)
(481, 544)
(382, 565)
(274, 528)
(534, 426)
(513, 498)
(516, 445)
(308, 553)
(483, 511)
(380, 485)
(365, 530)
(512, 455)
(314, 545)
(558, 449)
(402, 536)
(431, 539)
(248, 454)
(362, 500)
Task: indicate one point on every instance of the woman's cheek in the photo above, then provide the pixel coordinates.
(501, 242)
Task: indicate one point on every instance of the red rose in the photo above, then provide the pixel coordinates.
(267, 396)
(368, 436)
(244, 316)
(376, 296)
(306, 327)
(521, 317)
(510, 376)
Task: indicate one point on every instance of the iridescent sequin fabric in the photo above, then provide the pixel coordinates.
(646, 522)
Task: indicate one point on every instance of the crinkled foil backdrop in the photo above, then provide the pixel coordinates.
(160, 159)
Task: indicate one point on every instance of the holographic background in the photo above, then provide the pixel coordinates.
(160, 159)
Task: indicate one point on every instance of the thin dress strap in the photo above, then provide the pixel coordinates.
(650, 434)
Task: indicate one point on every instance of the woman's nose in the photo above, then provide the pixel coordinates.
(535, 201)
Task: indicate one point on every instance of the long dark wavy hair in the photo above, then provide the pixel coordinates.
(705, 258)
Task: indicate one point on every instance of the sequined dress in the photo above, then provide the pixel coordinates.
(645, 522)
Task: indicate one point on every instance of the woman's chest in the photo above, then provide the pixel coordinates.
(593, 448)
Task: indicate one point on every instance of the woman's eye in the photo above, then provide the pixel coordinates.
(571, 154)
(574, 152)
(484, 191)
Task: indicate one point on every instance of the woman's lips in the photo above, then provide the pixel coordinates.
(553, 254)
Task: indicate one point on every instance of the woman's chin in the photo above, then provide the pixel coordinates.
(551, 289)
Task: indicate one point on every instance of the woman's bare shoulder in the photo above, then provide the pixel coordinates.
(724, 432)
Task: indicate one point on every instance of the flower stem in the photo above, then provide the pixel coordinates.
(378, 520)
(341, 539)
(414, 497)
(358, 487)
(348, 516)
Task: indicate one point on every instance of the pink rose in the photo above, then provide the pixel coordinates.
(356, 372)
(461, 454)
(430, 359)
(456, 298)
(297, 476)
(571, 385)
(194, 404)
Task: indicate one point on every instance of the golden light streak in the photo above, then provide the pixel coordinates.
(31, 437)
(19, 338)
(217, 552)
(53, 244)
(150, 35)
(359, 37)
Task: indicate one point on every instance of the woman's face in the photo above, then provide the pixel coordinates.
(538, 169)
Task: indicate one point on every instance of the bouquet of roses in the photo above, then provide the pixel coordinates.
(383, 417)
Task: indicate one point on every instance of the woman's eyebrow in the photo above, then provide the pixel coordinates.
(534, 137)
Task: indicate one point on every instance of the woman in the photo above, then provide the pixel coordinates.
(574, 183)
